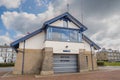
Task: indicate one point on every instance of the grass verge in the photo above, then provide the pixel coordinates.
(111, 63)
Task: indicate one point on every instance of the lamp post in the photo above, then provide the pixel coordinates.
(92, 56)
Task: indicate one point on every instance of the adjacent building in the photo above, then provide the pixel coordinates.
(7, 54)
(58, 47)
(108, 55)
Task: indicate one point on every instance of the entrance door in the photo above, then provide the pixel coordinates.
(65, 63)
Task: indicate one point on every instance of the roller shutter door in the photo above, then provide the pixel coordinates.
(65, 63)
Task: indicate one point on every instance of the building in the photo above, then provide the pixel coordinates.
(108, 55)
(1, 60)
(58, 47)
(7, 54)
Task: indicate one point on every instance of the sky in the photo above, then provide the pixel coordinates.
(101, 17)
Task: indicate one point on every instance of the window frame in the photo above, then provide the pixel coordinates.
(48, 37)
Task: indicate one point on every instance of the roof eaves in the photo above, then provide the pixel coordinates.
(25, 37)
(55, 19)
(90, 42)
(75, 20)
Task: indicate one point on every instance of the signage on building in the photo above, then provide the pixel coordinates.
(66, 51)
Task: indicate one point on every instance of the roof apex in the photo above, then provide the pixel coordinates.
(69, 17)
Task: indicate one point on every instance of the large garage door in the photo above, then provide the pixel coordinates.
(65, 63)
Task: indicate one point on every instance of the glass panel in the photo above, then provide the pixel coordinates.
(56, 34)
(49, 32)
(65, 35)
(73, 35)
(79, 37)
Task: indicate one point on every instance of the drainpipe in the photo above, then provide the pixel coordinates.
(92, 56)
(23, 57)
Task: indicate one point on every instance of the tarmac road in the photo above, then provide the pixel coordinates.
(104, 73)
(6, 69)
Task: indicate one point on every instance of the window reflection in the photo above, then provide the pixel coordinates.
(63, 34)
(73, 35)
(56, 34)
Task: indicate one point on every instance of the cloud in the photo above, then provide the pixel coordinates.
(107, 35)
(25, 22)
(42, 2)
(5, 39)
(100, 16)
(10, 3)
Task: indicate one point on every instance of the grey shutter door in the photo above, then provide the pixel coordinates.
(65, 63)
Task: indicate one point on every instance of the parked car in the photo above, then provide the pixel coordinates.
(1, 60)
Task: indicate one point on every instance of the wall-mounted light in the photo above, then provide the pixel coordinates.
(66, 46)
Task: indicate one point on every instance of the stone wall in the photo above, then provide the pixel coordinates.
(86, 64)
(47, 63)
(82, 62)
(32, 61)
(88, 54)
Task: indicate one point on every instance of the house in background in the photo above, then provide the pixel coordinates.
(7, 54)
(58, 47)
(108, 55)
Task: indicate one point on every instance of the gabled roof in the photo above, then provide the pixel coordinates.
(15, 44)
(90, 42)
(66, 16)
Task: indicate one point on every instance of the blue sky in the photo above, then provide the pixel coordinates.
(28, 6)
(102, 17)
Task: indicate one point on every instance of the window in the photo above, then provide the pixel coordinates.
(65, 35)
(86, 58)
(73, 35)
(61, 34)
(56, 34)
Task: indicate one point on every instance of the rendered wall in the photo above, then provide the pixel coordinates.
(58, 46)
(60, 23)
(74, 47)
(86, 46)
(35, 42)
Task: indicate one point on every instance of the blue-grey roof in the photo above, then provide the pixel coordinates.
(90, 42)
(66, 16)
(15, 44)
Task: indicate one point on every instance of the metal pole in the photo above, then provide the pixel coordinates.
(92, 58)
(23, 58)
(67, 7)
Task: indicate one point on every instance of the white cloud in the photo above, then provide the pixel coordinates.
(108, 35)
(18, 36)
(41, 2)
(103, 30)
(10, 3)
(5, 39)
(25, 22)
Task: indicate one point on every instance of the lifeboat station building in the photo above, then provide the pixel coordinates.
(59, 46)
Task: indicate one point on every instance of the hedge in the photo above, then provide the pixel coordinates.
(100, 63)
(6, 64)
